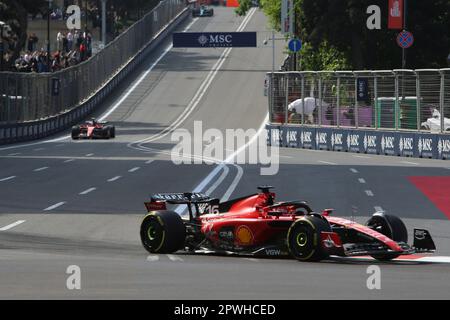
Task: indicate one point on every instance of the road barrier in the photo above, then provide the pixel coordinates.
(398, 112)
(34, 106)
(383, 142)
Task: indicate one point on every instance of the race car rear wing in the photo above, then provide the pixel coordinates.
(197, 203)
(181, 198)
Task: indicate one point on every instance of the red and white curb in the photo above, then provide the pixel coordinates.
(409, 258)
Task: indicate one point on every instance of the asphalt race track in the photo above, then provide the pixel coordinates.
(67, 202)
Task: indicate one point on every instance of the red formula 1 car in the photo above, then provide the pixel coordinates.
(93, 130)
(256, 225)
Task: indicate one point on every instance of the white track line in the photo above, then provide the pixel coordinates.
(152, 258)
(89, 155)
(14, 154)
(149, 161)
(7, 178)
(38, 149)
(87, 191)
(134, 169)
(144, 75)
(361, 180)
(409, 162)
(369, 193)
(353, 170)
(174, 258)
(114, 179)
(198, 95)
(69, 160)
(12, 225)
(327, 162)
(362, 157)
(56, 205)
(40, 169)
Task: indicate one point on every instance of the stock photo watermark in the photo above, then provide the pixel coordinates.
(374, 280)
(213, 146)
(73, 281)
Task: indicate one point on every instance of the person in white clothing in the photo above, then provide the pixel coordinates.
(69, 40)
(59, 41)
(306, 106)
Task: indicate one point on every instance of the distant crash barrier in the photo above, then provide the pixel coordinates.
(34, 106)
(398, 112)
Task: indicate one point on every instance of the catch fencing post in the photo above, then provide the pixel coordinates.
(419, 107)
(286, 111)
(338, 108)
(396, 104)
(320, 98)
(441, 100)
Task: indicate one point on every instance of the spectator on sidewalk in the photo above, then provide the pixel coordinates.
(59, 41)
(30, 43)
(65, 43)
(69, 40)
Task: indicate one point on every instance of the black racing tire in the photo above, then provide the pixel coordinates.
(162, 232)
(75, 132)
(392, 227)
(212, 13)
(303, 238)
(112, 132)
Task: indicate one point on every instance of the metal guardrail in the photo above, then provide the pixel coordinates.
(27, 96)
(28, 110)
(396, 100)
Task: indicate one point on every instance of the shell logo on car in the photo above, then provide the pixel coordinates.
(244, 235)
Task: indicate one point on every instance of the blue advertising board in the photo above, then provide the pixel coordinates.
(213, 39)
(401, 143)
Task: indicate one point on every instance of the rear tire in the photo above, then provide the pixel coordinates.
(75, 132)
(392, 227)
(112, 132)
(162, 232)
(303, 238)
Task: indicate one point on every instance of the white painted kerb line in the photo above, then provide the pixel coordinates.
(8, 178)
(114, 179)
(59, 204)
(369, 193)
(134, 169)
(87, 191)
(40, 169)
(12, 225)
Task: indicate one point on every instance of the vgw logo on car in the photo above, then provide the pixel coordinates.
(219, 40)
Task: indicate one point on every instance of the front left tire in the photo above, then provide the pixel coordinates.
(392, 227)
(75, 132)
(303, 238)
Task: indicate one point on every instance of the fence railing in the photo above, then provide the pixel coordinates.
(415, 100)
(29, 97)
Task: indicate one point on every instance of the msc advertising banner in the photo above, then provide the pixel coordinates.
(405, 144)
(214, 39)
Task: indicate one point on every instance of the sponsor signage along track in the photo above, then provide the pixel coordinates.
(214, 39)
(406, 144)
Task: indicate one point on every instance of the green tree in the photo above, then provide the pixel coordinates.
(340, 26)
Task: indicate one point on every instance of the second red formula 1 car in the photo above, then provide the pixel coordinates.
(256, 225)
(93, 130)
